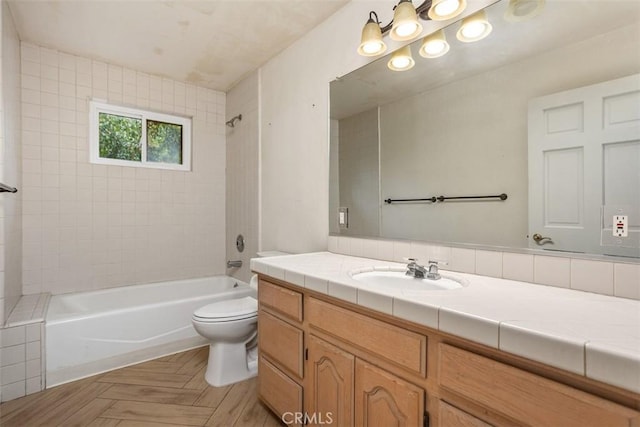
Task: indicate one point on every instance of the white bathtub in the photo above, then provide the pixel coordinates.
(91, 332)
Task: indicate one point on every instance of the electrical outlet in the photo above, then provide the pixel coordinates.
(343, 217)
(620, 225)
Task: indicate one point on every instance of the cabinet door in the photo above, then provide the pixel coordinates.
(329, 396)
(382, 399)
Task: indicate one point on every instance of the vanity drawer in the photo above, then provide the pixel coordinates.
(282, 342)
(282, 300)
(452, 416)
(279, 391)
(523, 395)
(392, 343)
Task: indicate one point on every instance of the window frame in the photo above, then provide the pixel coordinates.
(96, 107)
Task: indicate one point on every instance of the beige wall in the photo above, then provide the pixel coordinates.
(294, 125)
(10, 168)
(91, 226)
(242, 174)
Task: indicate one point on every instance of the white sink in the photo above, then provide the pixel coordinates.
(397, 280)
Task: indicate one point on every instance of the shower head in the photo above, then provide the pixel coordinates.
(232, 123)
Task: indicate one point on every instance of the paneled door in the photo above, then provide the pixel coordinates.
(329, 399)
(584, 169)
(382, 399)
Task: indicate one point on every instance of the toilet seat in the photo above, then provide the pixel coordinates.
(227, 311)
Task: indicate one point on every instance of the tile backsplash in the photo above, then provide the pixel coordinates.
(616, 278)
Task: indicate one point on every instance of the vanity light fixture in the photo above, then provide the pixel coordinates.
(434, 45)
(521, 10)
(405, 24)
(401, 59)
(371, 43)
(474, 27)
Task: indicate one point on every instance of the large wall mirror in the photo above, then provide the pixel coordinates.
(461, 125)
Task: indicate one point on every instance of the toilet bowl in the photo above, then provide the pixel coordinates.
(231, 327)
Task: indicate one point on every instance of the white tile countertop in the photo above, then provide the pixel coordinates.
(594, 335)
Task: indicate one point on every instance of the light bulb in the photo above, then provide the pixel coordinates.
(446, 7)
(434, 45)
(442, 10)
(405, 30)
(401, 59)
(474, 28)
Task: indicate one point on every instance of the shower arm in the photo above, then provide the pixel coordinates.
(232, 123)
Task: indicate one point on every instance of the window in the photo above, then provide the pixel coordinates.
(130, 137)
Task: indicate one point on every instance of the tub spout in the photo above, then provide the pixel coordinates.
(234, 264)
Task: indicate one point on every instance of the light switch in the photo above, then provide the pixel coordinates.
(620, 223)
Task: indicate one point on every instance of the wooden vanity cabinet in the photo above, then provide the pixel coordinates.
(347, 366)
(281, 352)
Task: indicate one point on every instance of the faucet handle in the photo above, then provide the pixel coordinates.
(410, 260)
(432, 262)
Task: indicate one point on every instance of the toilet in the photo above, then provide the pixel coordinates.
(231, 327)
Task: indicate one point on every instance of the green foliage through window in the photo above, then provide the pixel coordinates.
(120, 137)
(164, 142)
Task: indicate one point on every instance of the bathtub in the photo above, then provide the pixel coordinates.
(92, 332)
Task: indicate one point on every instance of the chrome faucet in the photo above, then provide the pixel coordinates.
(414, 269)
(433, 271)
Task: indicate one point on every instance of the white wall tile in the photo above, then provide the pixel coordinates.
(33, 385)
(489, 263)
(462, 260)
(401, 251)
(12, 336)
(626, 280)
(12, 355)
(33, 350)
(592, 276)
(517, 267)
(553, 271)
(12, 373)
(13, 391)
(33, 368)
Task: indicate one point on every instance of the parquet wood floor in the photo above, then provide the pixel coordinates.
(170, 391)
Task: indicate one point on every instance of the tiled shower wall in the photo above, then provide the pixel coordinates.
(242, 174)
(89, 226)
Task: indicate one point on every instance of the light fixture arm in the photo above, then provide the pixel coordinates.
(421, 11)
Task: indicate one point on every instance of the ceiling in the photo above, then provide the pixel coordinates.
(211, 43)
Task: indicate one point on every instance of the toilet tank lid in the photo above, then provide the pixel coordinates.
(229, 308)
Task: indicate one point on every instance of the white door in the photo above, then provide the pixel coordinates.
(584, 168)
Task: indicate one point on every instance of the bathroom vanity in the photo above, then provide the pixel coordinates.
(338, 360)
